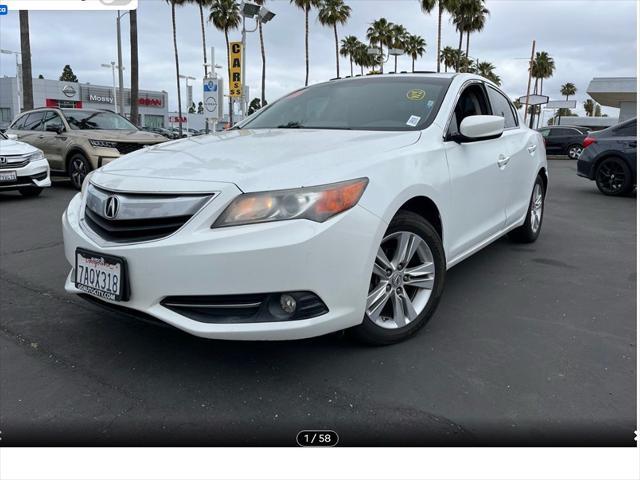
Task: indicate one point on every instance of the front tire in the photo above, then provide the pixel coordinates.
(406, 282)
(79, 168)
(528, 232)
(613, 177)
(30, 191)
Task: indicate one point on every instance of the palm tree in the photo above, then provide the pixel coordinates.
(225, 16)
(477, 18)
(306, 5)
(399, 36)
(568, 89)
(415, 46)
(263, 99)
(332, 13)
(363, 58)
(201, 6)
(543, 67)
(486, 70)
(379, 33)
(589, 107)
(173, 4)
(443, 5)
(517, 103)
(348, 48)
(133, 40)
(25, 51)
(449, 56)
(459, 17)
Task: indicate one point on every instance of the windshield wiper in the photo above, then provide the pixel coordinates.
(291, 125)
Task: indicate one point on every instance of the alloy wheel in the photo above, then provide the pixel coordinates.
(575, 152)
(536, 207)
(78, 171)
(402, 280)
(610, 177)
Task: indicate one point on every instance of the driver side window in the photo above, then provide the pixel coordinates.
(472, 101)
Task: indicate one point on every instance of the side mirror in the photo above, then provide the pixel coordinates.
(11, 136)
(55, 128)
(480, 127)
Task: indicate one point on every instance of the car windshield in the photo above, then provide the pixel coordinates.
(376, 103)
(88, 120)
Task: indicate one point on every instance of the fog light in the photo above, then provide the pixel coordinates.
(287, 303)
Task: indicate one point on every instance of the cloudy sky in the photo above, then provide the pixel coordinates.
(587, 38)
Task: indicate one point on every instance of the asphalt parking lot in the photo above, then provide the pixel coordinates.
(531, 345)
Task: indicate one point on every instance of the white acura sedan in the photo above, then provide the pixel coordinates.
(22, 167)
(339, 206)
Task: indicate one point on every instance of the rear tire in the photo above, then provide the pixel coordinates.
(406, 283)
(30, 191)
(79, 168)
(528, 232)
(574, 151)
(613, 177)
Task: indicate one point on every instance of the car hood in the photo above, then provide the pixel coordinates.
(134, 136)
(256, 160)
(13, 147)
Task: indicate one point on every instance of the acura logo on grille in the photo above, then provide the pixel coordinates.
(111, 207)
(3, 160)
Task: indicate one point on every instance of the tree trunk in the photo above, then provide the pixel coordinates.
(263, 100)
(226, 39)
(395, 64)
(468, 35)
(361, 69)
(306, 45)
(413, 65)
(459, 53)
(204, 41)
(381, 58)
(351, 62)
(133, 40)
(335, 35)
(175, 52)
(439, 34)
(25, 47)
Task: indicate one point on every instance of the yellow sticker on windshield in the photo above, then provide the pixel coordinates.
(416, 94)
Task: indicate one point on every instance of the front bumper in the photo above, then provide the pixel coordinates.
(333, 260)
(34, 174)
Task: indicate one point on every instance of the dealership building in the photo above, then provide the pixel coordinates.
(152, 105)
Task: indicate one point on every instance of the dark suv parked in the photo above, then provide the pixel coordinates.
(609, 158)
(564, 140)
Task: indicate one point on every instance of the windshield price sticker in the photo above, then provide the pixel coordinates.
(70, 4)
(413, 120)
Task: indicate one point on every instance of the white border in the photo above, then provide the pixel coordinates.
(70, 4)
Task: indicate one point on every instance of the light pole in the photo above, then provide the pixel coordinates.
(113, 67)
(120, 79)
(18, 76)
(261, 15)
(186, 88)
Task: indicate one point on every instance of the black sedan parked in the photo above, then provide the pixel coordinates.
(564, 140)
(609, 158)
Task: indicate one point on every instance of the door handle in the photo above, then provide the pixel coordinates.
(503, 160)
(532, 148)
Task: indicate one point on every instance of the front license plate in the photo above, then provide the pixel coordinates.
(100, 275)
(8, 176)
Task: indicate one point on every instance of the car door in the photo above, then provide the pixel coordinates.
(519, 166)
(31, 129)
(555, 141)
(53, 143)
(627, 142)
(477, 186)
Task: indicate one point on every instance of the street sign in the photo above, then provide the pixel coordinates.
(211, 97)
(561, 104)
(235, 67)
(534, 99)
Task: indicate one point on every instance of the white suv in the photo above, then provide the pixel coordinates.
(339, 206)
(22, 167)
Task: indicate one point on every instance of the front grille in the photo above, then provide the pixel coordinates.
(128, 147)
(133, 230)
(253, 308)
(138, 217)
(14, 162)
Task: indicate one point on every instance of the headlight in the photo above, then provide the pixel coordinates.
(313, 203)
(36, 156)
(103, 143)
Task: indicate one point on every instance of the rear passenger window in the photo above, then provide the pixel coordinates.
(502, 107)
(34, 121)
(628, 130)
